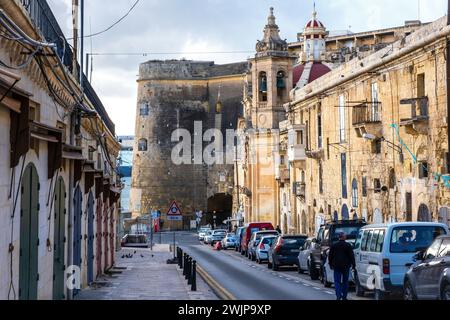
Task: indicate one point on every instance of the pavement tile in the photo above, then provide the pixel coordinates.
(146, 276)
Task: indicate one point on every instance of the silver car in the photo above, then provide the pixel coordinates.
(304, 257)
(202, 233)
(262, 251)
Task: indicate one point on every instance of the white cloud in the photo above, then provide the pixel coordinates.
(210, 25)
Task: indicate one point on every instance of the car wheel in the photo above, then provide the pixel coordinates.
(445, 292)
(313, 273)
(358, 288)
(408, 292)
(380, 295)
(325, 282)
(275, 267)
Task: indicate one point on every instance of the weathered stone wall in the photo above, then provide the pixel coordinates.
(422, 140)
(179, 93)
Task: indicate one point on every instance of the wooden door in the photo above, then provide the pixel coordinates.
(29, 235)
(59, 241)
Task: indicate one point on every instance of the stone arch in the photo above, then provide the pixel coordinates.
(304, 223)
(377, 216)
(345, 214)
(424, 214)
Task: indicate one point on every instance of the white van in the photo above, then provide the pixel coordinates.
(384, 253)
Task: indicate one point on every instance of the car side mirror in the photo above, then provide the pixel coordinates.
(419, 256)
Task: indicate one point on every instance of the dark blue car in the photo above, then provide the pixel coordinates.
(285, 250)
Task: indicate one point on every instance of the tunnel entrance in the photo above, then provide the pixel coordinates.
(219, 206)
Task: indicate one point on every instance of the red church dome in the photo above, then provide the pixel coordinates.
(318, 70)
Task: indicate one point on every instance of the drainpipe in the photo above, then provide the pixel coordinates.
(448, 90)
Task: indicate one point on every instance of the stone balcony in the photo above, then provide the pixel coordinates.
(417, 123)
(366, 119)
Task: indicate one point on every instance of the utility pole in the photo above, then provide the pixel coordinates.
(75, 15)
(448, 91)
(82, 47)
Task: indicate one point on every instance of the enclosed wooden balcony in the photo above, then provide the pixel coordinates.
(417, 122)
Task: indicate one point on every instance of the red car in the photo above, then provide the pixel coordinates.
(249, 230)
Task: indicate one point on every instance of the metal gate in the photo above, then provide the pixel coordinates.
(99, 237)
(91, 237)
(59, 241)
(77, 237)
(29, 235)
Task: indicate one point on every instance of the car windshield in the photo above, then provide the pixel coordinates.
(262, 235)
(294, 242)
(268, 241)
(350, 231)
(414, 239)
(220, 233)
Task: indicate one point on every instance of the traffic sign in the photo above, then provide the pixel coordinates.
(175, 218)
(174, 210)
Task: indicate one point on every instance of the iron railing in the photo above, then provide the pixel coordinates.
(366, 114)
(44, 20)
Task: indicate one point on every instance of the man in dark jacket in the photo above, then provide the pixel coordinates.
(342, 259)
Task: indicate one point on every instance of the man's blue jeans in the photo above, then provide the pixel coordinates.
(341, 278)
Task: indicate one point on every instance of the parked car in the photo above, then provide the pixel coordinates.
(251, 229)
(284, 251)
(385, 253)
(202, 233)
(262, 251)
(255, 240)
(134, 241)
(217, 236)
(304, 257)
(208, 237)
(328, 235)
(239, 233)
(229, 241)
(429, 277)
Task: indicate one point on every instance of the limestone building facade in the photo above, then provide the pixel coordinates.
(376, 137)
(59, 193)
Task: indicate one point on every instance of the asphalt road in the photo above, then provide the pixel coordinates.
(247, 280)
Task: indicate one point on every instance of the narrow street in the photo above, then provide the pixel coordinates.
(246, 280)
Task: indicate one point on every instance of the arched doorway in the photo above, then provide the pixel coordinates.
(58, 241)
(285, 224)
(91, 238)
(77, 237)
(444, 216)
(304, 223)
(336, 216)
(219, 206)
(29, 235)
(345, 213)
(424, 214)
(377, 217)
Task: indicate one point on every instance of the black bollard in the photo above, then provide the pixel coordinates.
(194, 276)
(184, 264)
(190, 272)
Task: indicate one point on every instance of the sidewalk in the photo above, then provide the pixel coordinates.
(146, 276)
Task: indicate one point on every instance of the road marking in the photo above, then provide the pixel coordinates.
(329, 292)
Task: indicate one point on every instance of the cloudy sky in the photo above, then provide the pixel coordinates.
(194, 28)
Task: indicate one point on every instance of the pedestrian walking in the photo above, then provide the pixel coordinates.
(342, 260)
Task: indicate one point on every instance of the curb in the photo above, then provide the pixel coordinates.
(220, 291)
